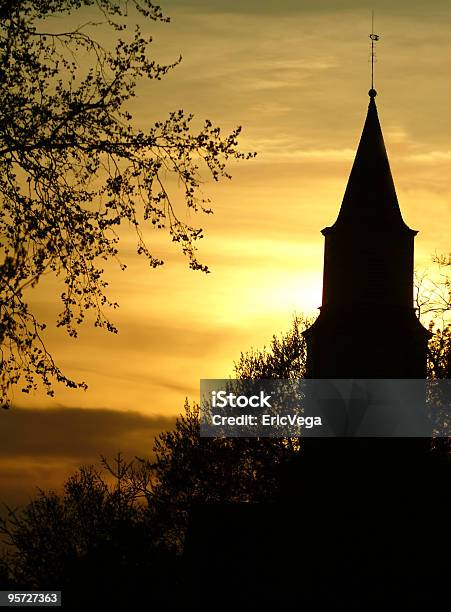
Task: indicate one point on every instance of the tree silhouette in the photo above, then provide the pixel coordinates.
(98, 533)
(286, 357)
(95, 542)
(74, 167)
(190, 470)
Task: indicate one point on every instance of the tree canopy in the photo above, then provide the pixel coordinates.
(75, 167)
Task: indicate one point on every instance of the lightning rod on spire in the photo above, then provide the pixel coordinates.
(374, 37)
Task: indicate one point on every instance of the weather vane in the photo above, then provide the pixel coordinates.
(374, 37)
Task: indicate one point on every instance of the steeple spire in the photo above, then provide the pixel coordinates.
(370, 197)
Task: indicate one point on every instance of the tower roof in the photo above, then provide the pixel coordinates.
(370, 197)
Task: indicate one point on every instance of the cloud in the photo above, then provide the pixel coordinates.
(431, 157)
(286, 150)
(269, 7)
(40, 448)
(77, 433)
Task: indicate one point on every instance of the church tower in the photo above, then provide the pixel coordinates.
(367, 327)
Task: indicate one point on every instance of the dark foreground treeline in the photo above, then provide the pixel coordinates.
(115, 535)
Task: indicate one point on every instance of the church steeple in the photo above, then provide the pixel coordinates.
(370, 196)
(367, 326)
(368, 257)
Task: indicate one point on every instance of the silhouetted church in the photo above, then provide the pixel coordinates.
(359, 521)
(367, 327)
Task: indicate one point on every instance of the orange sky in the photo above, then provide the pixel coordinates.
(296, 78)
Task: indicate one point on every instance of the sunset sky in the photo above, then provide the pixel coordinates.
(295, 75)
